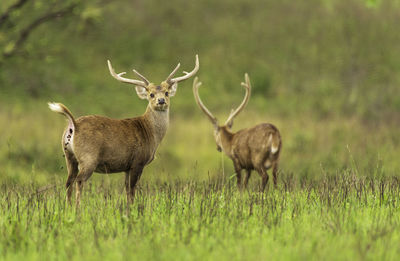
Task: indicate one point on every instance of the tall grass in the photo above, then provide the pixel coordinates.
(335, 217)
(324, 72)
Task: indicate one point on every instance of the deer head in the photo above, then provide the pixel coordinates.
(157, 95)
(220, 129)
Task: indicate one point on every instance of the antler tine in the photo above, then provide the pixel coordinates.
(168, 80)
(247, 86)
(147, 82)
(196, 86)
(187, 75)
(122, 79)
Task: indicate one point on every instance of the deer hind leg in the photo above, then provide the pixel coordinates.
(238, 170)
(131, 178)
(247, 177)
(72, 166)
(79, 186)
(275, 174)
(262, 164)
(264, 178)
(85, 171)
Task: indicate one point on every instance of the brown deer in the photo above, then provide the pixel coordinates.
(255, 148)
(99, 144)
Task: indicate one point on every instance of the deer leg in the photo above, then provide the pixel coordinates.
(127, 185)
(275, 174)
(85, 171)
(72, 166)
(264, 178)
(239, 179)
(79, 186)
(238, 171)
(246, 179)
(131, 178)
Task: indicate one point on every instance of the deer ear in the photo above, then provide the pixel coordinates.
(172, 89)
(141, 92)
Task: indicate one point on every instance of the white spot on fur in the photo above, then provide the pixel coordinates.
(69, 138)
(274, 149)
(55, 107)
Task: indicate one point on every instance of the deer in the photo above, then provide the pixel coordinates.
(100, 144)
(256, 148)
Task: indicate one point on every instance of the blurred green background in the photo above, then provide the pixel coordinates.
(326, 73)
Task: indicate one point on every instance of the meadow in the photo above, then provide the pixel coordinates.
(326, 73)
(336, 218)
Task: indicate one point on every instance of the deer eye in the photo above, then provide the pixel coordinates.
(152, 95)
(166, 94)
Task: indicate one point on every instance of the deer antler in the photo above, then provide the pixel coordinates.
(196, 86)
(247, 86)
(168, 80)
(119, 77)
(147, 82)
(187, 75)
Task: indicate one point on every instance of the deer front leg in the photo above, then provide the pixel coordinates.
(131, 178)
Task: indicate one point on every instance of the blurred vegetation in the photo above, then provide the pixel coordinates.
(324, 72)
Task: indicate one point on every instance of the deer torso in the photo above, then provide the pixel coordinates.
(115, 145)
(251, 147)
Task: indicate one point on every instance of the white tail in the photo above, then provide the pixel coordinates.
(274, 147)
(56, 107)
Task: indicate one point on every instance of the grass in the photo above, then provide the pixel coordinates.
(335, 218)
(324, 72)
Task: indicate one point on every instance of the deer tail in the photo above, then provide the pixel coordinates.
(273, 143)
(62, 109)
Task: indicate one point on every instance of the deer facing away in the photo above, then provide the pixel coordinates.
(255, 148)
(100, 144)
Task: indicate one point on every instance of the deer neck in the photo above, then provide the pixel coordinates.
(159, 121)
(226, 141)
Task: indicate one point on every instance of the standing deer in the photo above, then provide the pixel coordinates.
(255, 148)
(99, 144)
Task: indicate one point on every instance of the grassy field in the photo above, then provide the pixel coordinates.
(326, 73)
(335, 218)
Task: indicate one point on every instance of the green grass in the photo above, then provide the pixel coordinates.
(324, 72)
(334, 218)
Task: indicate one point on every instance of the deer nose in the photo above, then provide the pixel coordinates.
(161, 100)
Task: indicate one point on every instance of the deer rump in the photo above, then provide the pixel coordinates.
(112, 145)
(257, 146)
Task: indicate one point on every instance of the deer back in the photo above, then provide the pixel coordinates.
(254, 146)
